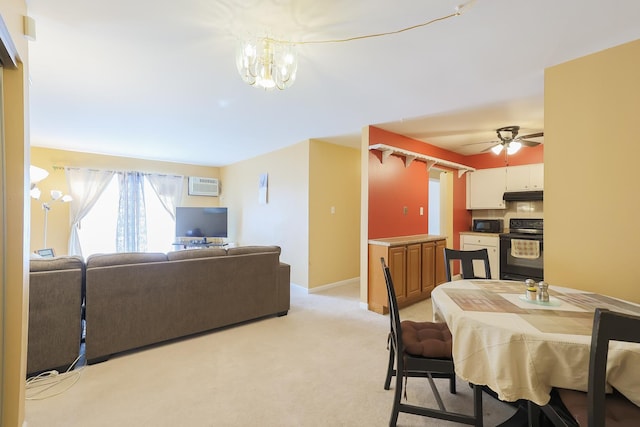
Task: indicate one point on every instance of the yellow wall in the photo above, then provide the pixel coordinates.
(283, 220)
(364, 216)
(14, 295)
(305, 180)
(334, 181)
(591, 184)
(58, 219)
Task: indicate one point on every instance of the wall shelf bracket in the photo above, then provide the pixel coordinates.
(385, 154)
(410, 156)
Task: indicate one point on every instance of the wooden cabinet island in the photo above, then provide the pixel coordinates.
(416, 264)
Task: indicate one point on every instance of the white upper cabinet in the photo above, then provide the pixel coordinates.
(485, 188)
(525, 178)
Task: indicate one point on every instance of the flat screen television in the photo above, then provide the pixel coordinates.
(201, 222)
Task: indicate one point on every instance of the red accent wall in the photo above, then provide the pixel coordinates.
(392, 186)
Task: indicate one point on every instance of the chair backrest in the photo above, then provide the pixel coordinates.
(466, 259)
(394, 312)
(607, 326)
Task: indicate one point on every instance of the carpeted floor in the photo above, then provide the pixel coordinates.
(321, 365)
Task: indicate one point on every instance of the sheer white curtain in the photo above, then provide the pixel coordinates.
(169, 190)
(132, 217)
(85, 187)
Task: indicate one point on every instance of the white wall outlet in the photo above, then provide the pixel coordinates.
(333, 210)
(421, 211)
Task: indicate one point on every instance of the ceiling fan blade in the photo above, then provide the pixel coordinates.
(489, 148)
(483, 142)
(532, 135)
(528, 143)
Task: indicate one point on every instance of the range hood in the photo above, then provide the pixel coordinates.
(522, 196)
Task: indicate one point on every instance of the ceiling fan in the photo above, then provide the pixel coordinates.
(509, 140)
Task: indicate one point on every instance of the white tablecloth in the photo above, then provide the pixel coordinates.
(522, 349)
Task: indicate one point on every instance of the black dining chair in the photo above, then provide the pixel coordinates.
(595, 408)
(422, 349)
(466, 260)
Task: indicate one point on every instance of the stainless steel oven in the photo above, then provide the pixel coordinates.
(522, 250)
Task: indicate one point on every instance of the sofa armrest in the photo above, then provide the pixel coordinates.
(284, 287)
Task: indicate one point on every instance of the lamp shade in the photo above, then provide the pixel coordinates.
(37, 174)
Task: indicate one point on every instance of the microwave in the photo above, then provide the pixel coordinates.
(487, 225)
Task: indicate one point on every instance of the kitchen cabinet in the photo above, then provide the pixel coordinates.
(525, 178)
(416, 264)
(433, 271)
(485, 188)
(414, 271)
(490, 242)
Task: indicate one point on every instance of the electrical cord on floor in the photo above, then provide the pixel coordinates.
(52, 383)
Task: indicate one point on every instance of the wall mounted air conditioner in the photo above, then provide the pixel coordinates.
(203, 186)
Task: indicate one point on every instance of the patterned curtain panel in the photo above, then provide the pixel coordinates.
(85, 186)
(169, 190)
(132, 223)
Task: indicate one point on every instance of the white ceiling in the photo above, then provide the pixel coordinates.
(156, 79)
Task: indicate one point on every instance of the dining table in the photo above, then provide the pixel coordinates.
(522, 348)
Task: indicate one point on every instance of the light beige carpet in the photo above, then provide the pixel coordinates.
(322, 365)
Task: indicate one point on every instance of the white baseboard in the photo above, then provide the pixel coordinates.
(334, 285)
(327, 286)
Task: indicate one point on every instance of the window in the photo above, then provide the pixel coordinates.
(98, 229)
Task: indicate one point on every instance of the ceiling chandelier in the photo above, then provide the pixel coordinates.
(267, 63)
(270, 63)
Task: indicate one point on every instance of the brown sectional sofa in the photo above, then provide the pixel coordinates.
(55, 305)
(137, 299)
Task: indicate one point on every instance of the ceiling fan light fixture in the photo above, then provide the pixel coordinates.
(497, 149)
(513, 147)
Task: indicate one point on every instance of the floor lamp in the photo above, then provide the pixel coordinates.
(56, 195)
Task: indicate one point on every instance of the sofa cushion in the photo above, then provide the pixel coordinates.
(105, 260)
(56, 263)
(196, 253)
(242, 250)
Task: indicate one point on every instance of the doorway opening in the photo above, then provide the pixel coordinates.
(440, 215)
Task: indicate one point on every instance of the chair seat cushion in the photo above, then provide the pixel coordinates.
(619, 412)
(426, 339)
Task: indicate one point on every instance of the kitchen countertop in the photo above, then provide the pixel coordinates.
(404, 240)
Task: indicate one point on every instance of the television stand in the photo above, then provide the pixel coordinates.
(199, 244)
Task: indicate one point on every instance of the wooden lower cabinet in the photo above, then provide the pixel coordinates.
(416, 269)
(429, 267)
(441, 272)
(397, 262)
